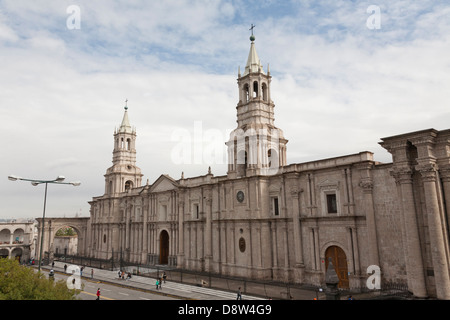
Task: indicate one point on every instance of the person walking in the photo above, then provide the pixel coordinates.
(164, 276)
(98, 294)
(65, 268)
(239, 294)
(92, 274)
(157, 284)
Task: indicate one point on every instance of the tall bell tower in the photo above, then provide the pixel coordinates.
(256, 146)
(124, 174)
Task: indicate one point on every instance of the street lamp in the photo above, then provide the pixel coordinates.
(58, 180)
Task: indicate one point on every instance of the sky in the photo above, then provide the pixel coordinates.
(345, 74)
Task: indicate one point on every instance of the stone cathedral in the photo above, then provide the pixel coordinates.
(269, 220)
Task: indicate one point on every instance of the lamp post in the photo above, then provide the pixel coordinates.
(58, 180)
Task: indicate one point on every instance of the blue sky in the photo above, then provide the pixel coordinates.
(338, 86)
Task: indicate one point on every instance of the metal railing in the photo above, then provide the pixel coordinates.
(266, 289)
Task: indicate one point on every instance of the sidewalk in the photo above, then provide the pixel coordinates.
(173, 289)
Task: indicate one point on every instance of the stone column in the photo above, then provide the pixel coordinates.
(435, 230)
(414, 262)
(444, 173)
(208, 233)
(296, 226)
(145, 214)
(180, 255)
(367, 187)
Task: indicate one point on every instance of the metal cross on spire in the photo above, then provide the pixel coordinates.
(252, 27)
(252, 37)
(126, 104)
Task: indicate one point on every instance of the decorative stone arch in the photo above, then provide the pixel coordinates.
(17, 233)
(52, 225)
(5, 234)
(16, 253)
(129, 185)
(4, 253)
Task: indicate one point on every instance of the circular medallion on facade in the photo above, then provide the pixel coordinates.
(240, 196)
(242, 244)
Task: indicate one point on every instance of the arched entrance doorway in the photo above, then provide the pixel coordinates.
(164, 247)
(339, 260)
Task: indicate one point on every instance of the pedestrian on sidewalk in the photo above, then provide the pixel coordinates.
(164, 276)
(157, 284)
(65, 268)
(98, 294)
(239, 294)
(92, 274)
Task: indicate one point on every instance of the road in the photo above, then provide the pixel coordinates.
(110, 292)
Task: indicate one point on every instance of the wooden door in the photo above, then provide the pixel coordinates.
(339, 260)
(164, 247)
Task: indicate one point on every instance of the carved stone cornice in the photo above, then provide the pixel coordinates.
(444, 173)
(367, 185)
(427, 171)
(402, 174)
(295, 191)
(390, 146)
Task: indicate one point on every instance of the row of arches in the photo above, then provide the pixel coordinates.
(123, 144)
(127, 186)
(255, 91)
(11, 253)
(8, 236)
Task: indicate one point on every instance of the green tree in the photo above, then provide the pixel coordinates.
(66, 231)
(23, 283)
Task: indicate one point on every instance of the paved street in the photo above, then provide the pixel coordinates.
(111, 291)
(140, 288)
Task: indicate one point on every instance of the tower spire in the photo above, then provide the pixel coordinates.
(124, 174)
(125, 127)
(256, 146)
(253, 61)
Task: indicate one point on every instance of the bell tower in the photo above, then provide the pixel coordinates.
(256, 146)
(124, 174)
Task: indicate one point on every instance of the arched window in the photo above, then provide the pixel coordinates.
(246, 93)
(128, 144)
(128, 185)
(264, 92)
(255, 89)
(122, 143)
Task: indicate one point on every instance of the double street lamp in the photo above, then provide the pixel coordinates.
(58, 180)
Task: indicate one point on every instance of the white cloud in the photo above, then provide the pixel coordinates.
(338, 86)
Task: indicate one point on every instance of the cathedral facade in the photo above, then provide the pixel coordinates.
(269, 220)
